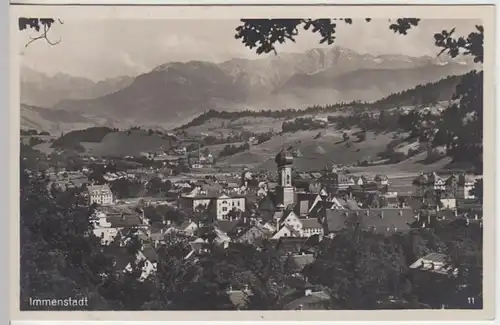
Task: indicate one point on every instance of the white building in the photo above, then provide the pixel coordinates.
(100, 194)
(218, 204)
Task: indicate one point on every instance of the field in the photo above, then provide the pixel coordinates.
(222, 128)
(313, 152)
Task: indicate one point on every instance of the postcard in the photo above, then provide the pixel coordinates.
(252, 162)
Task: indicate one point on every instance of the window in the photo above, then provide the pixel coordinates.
(224, 209)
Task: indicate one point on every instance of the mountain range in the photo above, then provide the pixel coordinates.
(175, 92)
(42, 90)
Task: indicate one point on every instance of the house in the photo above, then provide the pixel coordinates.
(305, 202)
(288, 245)
(461, 185)
(291, 225)
(448, 201)
(310, 227)
(147, 266)
(359, 180)
(290, 220)
(100, 194)
(253, 234)
(188, 227)
(436, 263)
(336, 181)
(286, 231)
(222, 205)
(431, 181)
(427, 218)
(219, 204)
(312, 299)
(109, 221)
(384, 221)
(381, 180)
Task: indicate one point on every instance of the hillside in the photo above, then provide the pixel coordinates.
(174, 93)
(100, 141)
(56, 121)
(52, 120)
(42, 90)
(166, 94)
(363, 84)
(316, 153)
(223, 122)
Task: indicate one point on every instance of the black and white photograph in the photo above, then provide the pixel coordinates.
(251, 164)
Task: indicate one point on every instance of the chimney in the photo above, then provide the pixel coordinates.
(308, 292)
(123, 216)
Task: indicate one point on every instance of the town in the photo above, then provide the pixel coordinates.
(294, 212)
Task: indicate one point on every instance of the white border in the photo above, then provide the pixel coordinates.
(13, 159)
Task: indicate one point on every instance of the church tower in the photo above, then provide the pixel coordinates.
(285, 192)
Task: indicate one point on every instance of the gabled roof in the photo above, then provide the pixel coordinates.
(291, 244)
(433, 262)
(268, 203)
(310, 302)
(99, 189)
(125, 221)
(149, 252)
(310, 223)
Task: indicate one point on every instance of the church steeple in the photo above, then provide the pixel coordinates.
(285, 191)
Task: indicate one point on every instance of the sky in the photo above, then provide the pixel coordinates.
(99, 49)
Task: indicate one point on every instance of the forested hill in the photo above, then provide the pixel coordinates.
(427, 94)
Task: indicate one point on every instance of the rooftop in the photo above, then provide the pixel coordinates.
(386, 220)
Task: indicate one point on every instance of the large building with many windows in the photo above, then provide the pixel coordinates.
(218, 204)
(100, 194)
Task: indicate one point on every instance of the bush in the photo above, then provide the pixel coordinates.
(397, 157)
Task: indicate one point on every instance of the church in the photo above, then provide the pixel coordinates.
(292, 212)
